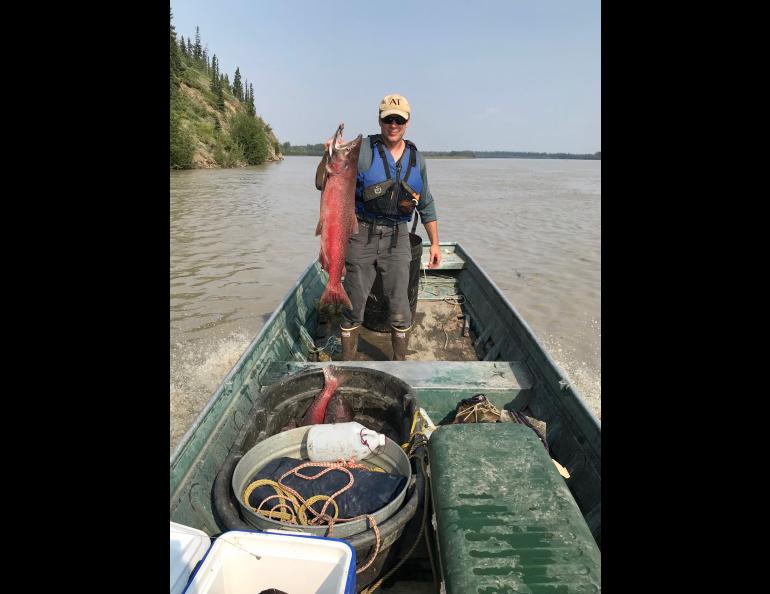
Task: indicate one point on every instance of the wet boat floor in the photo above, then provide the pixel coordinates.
(438, 334)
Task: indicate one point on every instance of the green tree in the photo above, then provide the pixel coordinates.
(175, 62)
(214, 76)
(197, 49)
(181, 144)
(250, 102)
(237, 86)
(220, 98)
(247, 132)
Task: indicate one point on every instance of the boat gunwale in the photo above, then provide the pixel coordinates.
(531, 335)
(216, 395)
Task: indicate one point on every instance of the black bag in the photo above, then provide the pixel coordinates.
(370, 492)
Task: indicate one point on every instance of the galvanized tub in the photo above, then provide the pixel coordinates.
(293, 444)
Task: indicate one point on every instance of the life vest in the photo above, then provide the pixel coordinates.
(380, 188)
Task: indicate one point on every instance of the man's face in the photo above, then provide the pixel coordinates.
(391, 130)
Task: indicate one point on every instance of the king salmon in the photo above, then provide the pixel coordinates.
(338, 214)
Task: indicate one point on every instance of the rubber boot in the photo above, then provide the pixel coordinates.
(399, 338)
(349, 337)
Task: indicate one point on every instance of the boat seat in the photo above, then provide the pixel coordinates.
(439, 385)
(450, 259)
(505, 519)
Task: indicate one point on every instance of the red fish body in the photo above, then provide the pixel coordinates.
(338, 410)
(317, 411)
(338, 214)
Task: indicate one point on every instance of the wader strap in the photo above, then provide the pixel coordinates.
(412, 162)
(384, 160)
(414, 225)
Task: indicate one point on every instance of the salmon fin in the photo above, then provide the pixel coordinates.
(319, 227)
(322, 260)
(335, 293)
(354, 224)
(344, 271)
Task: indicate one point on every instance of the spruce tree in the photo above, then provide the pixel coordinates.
(214, 77)
(198, 50)
(182, 47)
(175, 60)
(237, 86)
(220, 98)
(190, 51)
(250, 104)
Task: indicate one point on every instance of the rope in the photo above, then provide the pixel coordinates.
(364, 441)
(297, 514)
(331, 345)
(484, 407)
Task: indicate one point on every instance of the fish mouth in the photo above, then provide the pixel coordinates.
(338, 143)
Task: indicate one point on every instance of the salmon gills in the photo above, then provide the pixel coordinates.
(338, 215)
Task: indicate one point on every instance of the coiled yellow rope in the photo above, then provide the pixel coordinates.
(292, 507)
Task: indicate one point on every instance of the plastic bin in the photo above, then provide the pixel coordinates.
(241, 562)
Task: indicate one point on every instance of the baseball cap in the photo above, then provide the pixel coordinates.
(394, 104)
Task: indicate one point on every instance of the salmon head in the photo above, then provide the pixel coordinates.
(343, 155)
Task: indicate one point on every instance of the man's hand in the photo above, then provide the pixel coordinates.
(435, 253)
(435, 256)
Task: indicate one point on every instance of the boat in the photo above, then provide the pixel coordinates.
(468, 339)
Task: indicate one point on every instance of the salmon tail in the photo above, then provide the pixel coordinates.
(338, 374)
(331, 378)
(335, 293)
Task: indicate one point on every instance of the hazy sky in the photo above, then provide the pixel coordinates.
(520, 75)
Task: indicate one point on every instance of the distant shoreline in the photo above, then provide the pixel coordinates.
(317, 150)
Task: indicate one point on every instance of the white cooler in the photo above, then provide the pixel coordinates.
(250, 562)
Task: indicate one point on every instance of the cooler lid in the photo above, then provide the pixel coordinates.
(188, 546)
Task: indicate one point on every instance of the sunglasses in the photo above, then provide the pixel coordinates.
(393, 118)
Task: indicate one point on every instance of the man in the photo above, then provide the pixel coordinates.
(392, 182)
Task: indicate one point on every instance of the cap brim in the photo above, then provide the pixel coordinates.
(388, 112)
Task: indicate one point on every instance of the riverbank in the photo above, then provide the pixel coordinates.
(317, 150)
